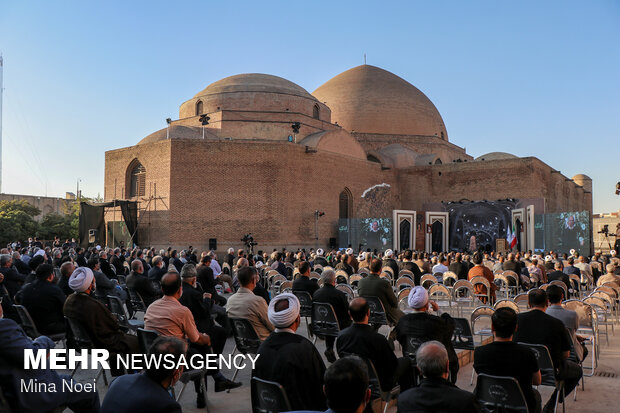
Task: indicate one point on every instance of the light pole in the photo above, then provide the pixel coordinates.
(204, 120)
(317, 215)
(168, 121)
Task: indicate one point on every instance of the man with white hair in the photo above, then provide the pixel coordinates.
(338, 300)
(290, 359)
(436, 393)
(424, 326)
(586, 270)
(609, 277)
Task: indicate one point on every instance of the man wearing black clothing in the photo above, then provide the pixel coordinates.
(537, 327)
(559, 275)
(105, 267)
(426, 327)
(19, 265)
(80, 260)
(174, 260)
(435, 393)
(12, 279)
(362, 340)
(138, 282)
(44, 301)
(199, 304)
(409, 265)
(338, 300)
(304, 283)
(459, 268)
(504, 357)
(66, 269)
(117, 262)
(157, 270)
(204, 274)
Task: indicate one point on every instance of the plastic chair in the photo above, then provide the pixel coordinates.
(82, 341)
(462, 337)
(377, 311)
(31, 329)
(137, 303)
(268, 397)
(547, 371)
(146, 339)
(115, 305)
(345, 288)
(305, 306)
(324, 321)
(500, 394)
(246, 339)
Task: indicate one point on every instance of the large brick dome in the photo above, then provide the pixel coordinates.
(254, 82)
(368, 99)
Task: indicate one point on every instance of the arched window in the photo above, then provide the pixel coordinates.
(137, 179)
(372, 158)
(345, 204)
(199, 108)
(438, 161)
(316, 111)
(442, 135)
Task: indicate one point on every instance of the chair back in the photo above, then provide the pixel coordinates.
(404, 282)
(345, 288)
(449, 278)
(404, 293)
(268, 397)
(439, 292)
(122, 280)
(500, 394)
(286, 286)
(507, 303)
(81, 337)
(363, 270)
(462, 337)
(315, 276)
(521, 299)
(427, 280)
(411, 346)
(388, 270)
(305, 303)
(146, 339)
(583, 310)
(324, 320)
(405, 273)
(115, 305)
(246, 339)
(377, 311)
(562, 286)
(136, 300)
(343, 276)
(27, 323)
(354, 279)
(545, 363)
(462, 285)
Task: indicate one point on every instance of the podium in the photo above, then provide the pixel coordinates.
(501, 245)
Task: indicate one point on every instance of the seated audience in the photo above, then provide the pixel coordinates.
(374, 285)
(247, 305)
(66, 269)
(362, 340)
(555, 294)
(44, 301)
(157, 269)
(13, 342)
(426, 327)
(290, 359)
(100, 324)
(479, 270)
(138, 282)
(148, 391)
(168, 317)
(304, 283)
(435, 393)
(199, 304)
(610, 276)
(12, 280)
(505, 357)
(537, 327)
(558, 275)
(338, 300)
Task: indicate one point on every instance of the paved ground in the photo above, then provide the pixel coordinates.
(601, 393)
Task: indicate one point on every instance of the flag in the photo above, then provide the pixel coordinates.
(513, 241)
(509, 236)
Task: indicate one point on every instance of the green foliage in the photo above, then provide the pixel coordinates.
(53, 225)
(17, 221)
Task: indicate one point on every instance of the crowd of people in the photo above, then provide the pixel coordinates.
(189, 298)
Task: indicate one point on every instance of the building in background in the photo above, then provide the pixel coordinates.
(606, 240)
(364, 160)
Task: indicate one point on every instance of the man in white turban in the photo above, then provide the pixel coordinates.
(423, 326)
(290, 359)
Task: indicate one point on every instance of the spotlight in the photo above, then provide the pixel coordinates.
(168, 121)
(204, 119)
(296, 126)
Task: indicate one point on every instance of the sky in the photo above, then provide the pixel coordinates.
(531, 78)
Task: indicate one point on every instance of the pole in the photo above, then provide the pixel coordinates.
(203, 131)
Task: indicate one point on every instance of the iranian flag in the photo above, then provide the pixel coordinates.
(512, 237)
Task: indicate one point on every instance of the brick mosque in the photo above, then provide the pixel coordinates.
(365, 160)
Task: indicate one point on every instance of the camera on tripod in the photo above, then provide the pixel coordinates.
(248, 239)
(605, 230)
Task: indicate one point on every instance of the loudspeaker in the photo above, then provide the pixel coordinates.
(213, 244)
(332, 243)
(93, 236)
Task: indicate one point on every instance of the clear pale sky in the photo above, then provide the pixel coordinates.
(534, 78)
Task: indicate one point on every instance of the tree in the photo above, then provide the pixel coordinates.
(53, 225)
(17, 221)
